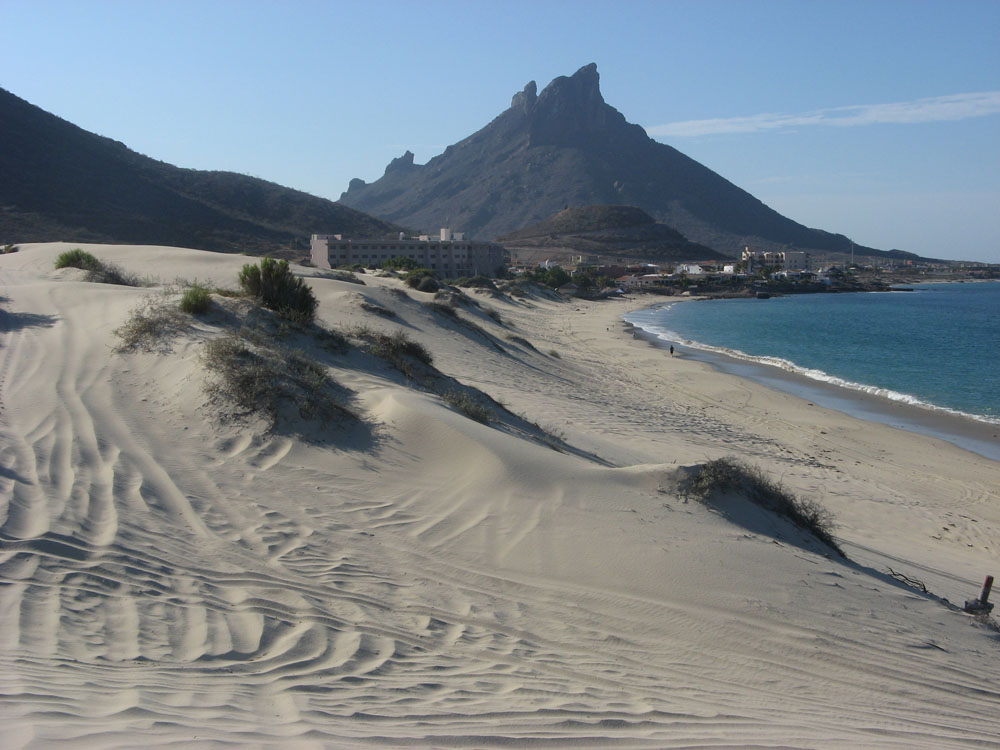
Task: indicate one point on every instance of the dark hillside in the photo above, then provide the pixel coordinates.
(60, 182)
(623, 231)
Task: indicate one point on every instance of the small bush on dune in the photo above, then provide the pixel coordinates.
(77, 258)
(400, 351)
(467, 405)
(254, 379)
(274, 285)
(399, 344)
(732, 475)
(378, 309)
(332, 341)
(443, 309)
(400, 264)
(150, 327)
(477, 282)
(428, 284)
(196, 299)
(113, 274)
(422, 279)
(522, 341)
(97, 270)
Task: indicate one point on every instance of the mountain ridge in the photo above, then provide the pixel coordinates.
(63, 183)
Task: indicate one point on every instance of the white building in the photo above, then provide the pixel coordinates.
(789, 260)
(451, 255)
(691, 269)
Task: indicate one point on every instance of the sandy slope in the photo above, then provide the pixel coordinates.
(428, 581)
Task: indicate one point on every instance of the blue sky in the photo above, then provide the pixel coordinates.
(876, 119)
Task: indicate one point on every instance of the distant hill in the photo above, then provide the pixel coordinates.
(625, 231)
(60, 182)
(567, 147)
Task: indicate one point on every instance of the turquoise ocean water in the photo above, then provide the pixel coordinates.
(937, 346)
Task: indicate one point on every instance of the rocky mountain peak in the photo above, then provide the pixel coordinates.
(571, 111)
(565, 146)
(400, 163)
(525, 100)
(584, 86)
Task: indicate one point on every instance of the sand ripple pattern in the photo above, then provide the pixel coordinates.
(163, 587)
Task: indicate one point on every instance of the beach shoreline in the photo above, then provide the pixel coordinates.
(967, 431)
(964, 431)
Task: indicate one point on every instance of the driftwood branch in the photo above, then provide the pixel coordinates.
(911, 582)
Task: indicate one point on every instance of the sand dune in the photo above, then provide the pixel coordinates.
(429, 581)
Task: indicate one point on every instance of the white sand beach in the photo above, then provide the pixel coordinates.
(423, 580)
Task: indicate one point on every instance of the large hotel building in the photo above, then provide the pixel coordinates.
(451, 255)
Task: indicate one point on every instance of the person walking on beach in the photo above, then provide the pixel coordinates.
(671, 350)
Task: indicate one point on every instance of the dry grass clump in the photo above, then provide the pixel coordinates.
(332, 341)
(443, 309)
(522, 341)
(730, 474)
(151, 326)
(400, 351)
(252, 378)
(465, 403)
(476, 282)
(371, 307)
(343, 275)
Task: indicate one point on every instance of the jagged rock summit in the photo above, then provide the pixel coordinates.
(567, 147)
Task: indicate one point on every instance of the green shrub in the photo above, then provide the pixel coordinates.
(732, 475)
(478, 282)
(196, 299)
(428, 284)
(274, 285)
(400, 264)
(77, 258)
(7, 249)
(422, 279)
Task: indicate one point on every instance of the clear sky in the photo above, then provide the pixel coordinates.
(877, 119)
